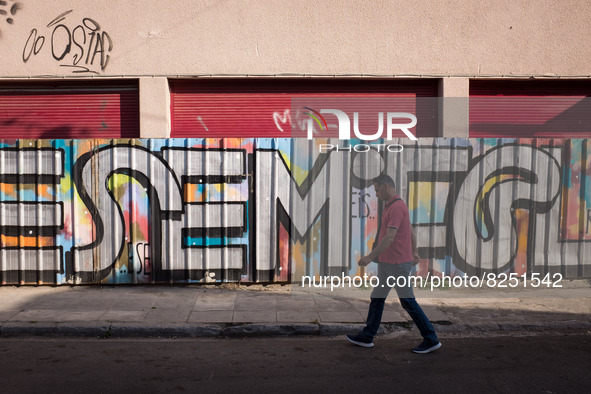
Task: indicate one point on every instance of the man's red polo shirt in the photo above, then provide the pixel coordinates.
(396, 216)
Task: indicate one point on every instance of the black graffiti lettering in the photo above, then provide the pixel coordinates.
(59, 18)
(588, 219)
(78, 56)
(68, 42)
(27, 55)
(105, 57)
(91, 34)
(70, 46)
(32, 47)
(145, 263)
(33, 218)
(130, 257)
(100, 48)
(364, 206)
(353, 203)
(362, 210)
(94, 26)
(142, 251)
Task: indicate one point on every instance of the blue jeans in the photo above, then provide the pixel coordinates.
(407, 300)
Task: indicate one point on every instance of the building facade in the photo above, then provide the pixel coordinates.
(145, 142)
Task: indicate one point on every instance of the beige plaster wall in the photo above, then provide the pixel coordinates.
(182, 37)
(154, 96)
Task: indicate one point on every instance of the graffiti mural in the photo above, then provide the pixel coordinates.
(271, 210)
(81, 45)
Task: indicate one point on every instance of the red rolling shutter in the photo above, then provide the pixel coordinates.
(60, 110)
(530, 108)
(260, 107)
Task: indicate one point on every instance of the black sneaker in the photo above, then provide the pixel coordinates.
(426, 347)
(360, 340)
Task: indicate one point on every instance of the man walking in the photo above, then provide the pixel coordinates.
(395, 253)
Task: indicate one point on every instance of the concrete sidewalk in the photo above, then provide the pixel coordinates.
(232, 310)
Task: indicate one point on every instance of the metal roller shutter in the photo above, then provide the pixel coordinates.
(62, 110)
(530, 108)
(260, 107)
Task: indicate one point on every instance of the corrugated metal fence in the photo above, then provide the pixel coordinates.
(273, 210)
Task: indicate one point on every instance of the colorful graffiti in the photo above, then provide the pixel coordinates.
(271, 210)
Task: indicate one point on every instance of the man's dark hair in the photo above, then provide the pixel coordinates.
(384, 180)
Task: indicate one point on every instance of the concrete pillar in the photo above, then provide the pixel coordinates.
(154, 107)
(454, 109)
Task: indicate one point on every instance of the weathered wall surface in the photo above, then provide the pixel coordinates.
(450, 37)
(195, 210)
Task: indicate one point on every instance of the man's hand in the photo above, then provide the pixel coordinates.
(365, 260)
(415, 258)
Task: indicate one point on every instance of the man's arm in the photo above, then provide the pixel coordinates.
(380, 247)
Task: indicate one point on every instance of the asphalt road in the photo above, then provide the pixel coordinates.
(556, 363)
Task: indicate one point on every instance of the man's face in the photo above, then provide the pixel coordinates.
(380, 191)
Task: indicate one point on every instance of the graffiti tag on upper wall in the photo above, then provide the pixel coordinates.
(80, 45)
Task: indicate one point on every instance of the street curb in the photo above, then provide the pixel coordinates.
(569, 325)
(13, 329)
(184, 330)
(270, 330)
(126, 330)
